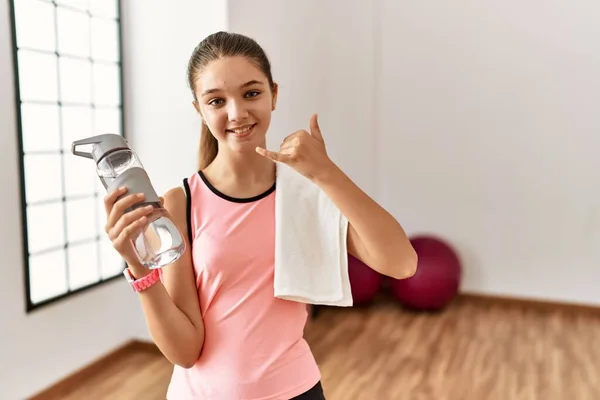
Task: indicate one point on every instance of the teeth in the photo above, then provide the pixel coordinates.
(242, 130)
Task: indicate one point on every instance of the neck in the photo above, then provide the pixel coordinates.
(245, 168)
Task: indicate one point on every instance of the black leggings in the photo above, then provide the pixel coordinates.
(315, 393)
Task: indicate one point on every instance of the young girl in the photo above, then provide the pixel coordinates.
(213, 314)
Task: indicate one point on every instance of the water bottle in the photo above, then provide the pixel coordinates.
(160, 242)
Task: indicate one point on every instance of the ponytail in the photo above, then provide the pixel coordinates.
(208, 147)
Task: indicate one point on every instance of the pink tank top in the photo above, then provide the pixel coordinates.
(254, 346)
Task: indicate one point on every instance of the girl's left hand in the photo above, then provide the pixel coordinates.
(305, 152)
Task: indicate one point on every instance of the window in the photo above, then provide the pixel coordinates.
(67, 57)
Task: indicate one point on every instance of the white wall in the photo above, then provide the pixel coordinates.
(489, 137)
(40, 348)
(436, 110)
(161, 120)
(313, 50)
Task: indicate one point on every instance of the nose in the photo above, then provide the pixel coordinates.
(237, 111)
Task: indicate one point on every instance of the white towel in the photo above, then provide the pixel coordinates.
(311, 260)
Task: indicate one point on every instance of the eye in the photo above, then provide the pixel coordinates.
(252, 93)
(215, 102)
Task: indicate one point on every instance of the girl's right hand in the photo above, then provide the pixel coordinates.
(123, 228)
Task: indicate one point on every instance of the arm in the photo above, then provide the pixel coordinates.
(172, 310)
(374, 236)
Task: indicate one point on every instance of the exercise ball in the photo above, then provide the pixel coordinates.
(437, 278)
(365, 282)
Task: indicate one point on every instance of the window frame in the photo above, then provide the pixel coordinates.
(31, 306)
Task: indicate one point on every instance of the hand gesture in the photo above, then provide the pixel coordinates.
(305, 152)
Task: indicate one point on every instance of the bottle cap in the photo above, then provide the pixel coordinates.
(101, 145)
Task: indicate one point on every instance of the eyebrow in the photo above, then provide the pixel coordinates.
(249, 83)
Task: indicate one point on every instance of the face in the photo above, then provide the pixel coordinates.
(235, 100)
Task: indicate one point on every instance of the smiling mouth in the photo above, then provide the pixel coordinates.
(242, 130)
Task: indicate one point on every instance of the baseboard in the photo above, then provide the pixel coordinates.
(58, 390)
(495, 300)
(540, 304)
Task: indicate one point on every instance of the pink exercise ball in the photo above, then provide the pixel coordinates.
(365, 282)
(437, 279)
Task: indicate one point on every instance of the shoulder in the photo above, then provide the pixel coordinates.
(176, 204)
(175, 200)
(175, 195)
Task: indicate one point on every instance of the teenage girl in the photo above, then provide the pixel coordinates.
(212, 312)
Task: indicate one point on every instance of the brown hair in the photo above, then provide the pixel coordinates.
(213, 47)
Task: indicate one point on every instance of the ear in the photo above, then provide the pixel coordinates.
(197, 107)
(275, 92)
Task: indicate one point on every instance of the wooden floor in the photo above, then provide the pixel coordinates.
(473, 350)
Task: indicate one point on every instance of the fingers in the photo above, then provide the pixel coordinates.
(315, 130)
(289, 146)
(123, 228)
(118, 208)
(129, 234)
(127, 220)
(273, 155)
(267, 153)
(293, 139)
(112, 197)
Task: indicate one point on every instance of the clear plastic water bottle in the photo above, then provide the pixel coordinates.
(160, 242)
